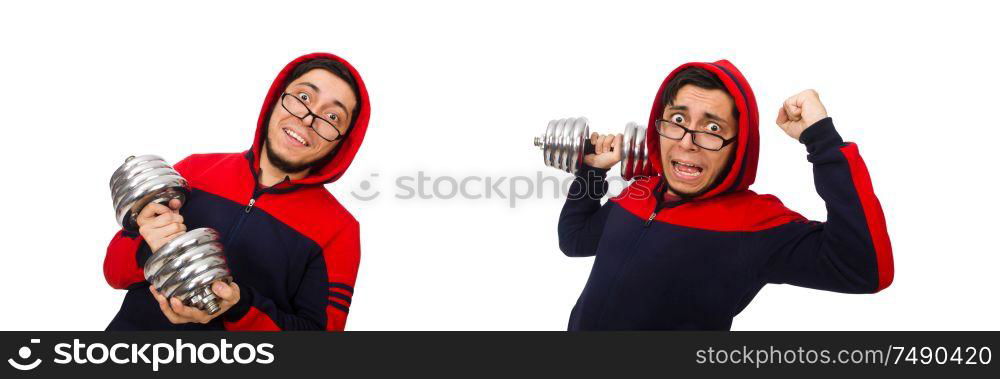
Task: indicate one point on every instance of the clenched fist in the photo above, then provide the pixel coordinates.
(799, 112)
(158, 223)
(607, 151)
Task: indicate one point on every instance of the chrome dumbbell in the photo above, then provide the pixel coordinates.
(567, 140)
(186, 266)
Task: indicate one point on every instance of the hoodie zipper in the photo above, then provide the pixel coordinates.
(243, 216)
(650, 219)
(257, 193)
(634, 251)
(660, 203)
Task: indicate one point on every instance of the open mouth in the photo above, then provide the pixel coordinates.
(295, 137)
(686, 170)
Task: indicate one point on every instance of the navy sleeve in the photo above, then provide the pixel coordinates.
(850, 252)
(582, 219)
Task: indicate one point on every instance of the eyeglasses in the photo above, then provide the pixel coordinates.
(320, 125)
(704, 140)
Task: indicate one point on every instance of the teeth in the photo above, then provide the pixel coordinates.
(296, 136)
(689, 174)
(685, 164)
(684, 173)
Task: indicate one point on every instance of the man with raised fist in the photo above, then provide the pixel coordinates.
(690, 247)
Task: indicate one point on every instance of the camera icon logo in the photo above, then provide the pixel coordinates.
(25, 353)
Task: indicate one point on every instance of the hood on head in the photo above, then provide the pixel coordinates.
(348, 147)
(743, 169)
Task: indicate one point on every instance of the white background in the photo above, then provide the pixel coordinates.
(459, 89)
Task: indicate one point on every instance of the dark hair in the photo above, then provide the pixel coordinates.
(697, 77)
(334, 67)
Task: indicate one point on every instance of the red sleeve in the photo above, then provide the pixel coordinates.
(342, 261)
(874, 217)
(849, 252)
(120, 267)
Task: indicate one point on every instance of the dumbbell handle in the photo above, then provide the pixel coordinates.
(588, 147)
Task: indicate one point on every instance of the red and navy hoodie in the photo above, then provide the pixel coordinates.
(292, 248)
(674, 263)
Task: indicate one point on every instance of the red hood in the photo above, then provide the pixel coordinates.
(348, 147)
(744, 163)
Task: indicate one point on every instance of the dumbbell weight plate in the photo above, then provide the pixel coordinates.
(166, 252)
(128, 168)
(210, 251)
(563, 142)
(159, 190)
(187, 265)
(634, 159)
(628, 151)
